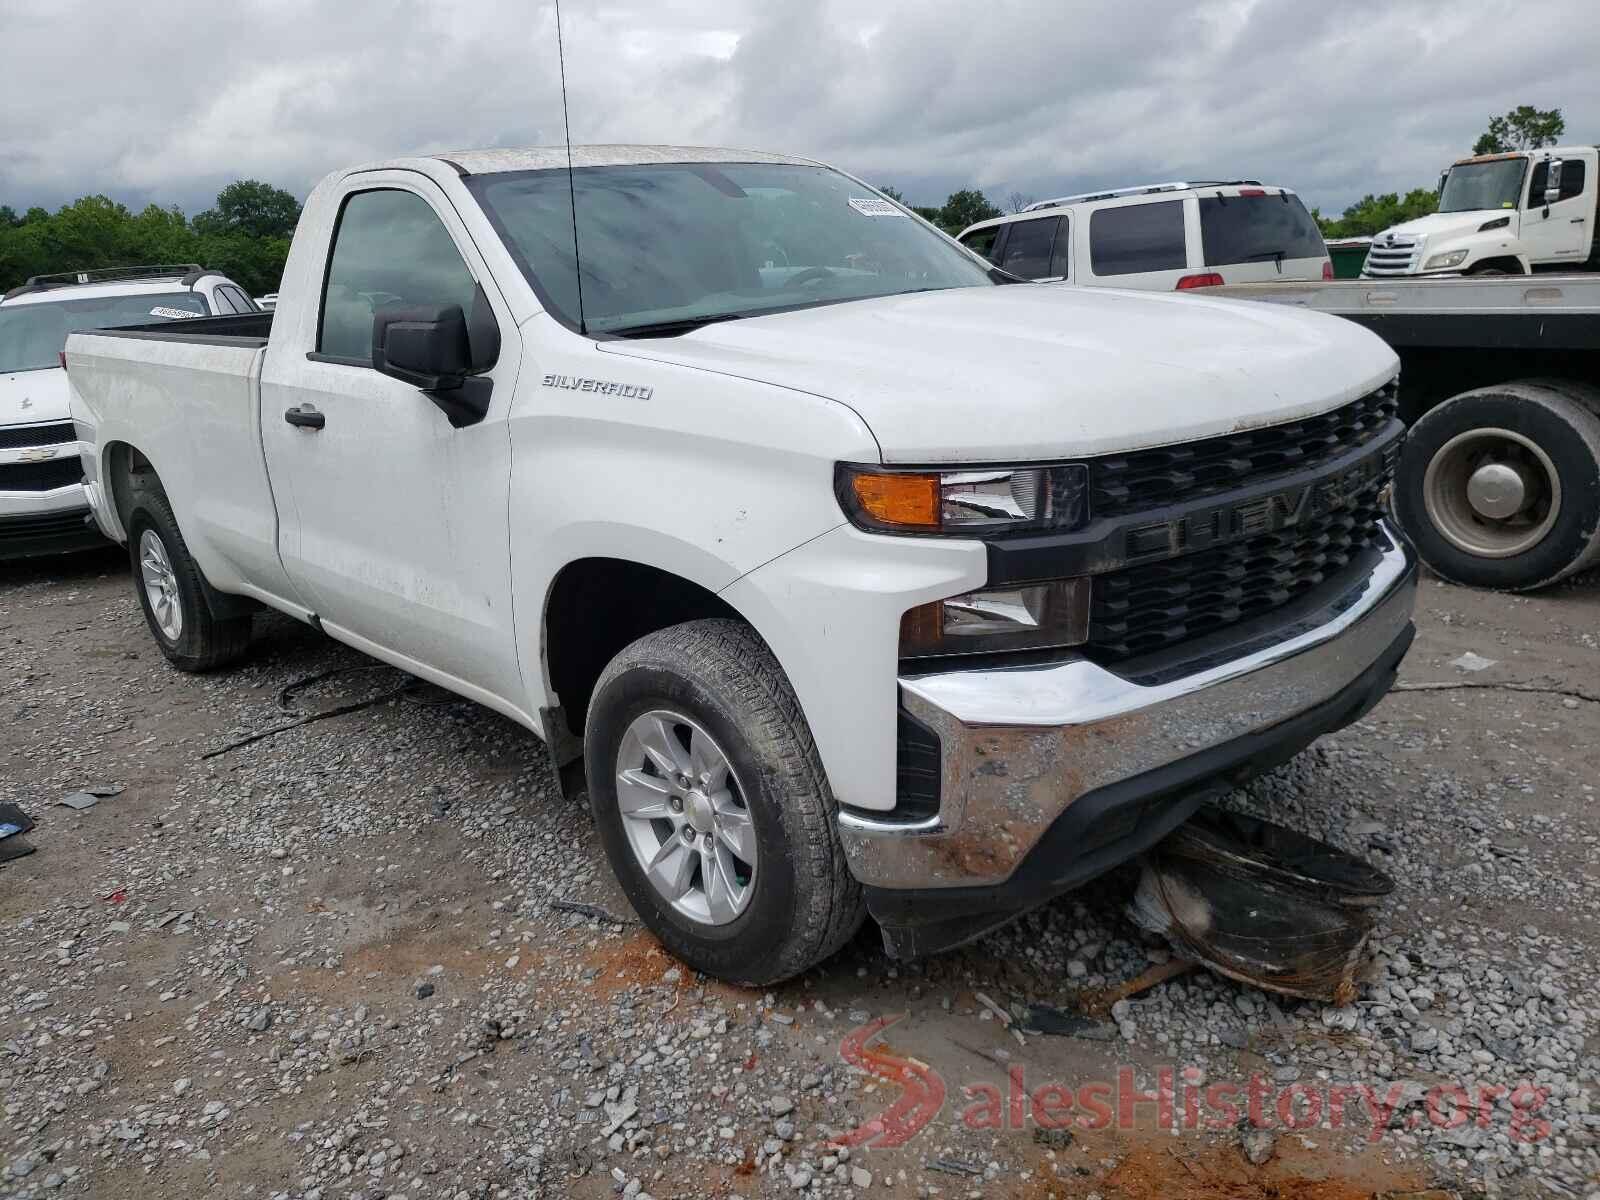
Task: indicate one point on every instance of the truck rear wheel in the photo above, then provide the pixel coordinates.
(172, 590)
(713, 807)
(1500, 487)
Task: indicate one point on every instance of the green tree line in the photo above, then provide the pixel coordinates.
(245, 236)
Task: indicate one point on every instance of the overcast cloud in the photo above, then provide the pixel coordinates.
(168, 101)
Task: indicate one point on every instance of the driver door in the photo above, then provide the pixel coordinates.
(394, 526)
(1564, 234)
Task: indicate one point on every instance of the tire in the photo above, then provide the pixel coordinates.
(184, 627)
(1550, 431)
(716, 688)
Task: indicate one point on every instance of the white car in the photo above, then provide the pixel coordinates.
(858, 575)
(43, 509)
(1502, 214)
(1159, 237)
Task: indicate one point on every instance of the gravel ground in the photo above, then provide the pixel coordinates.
(336, 963)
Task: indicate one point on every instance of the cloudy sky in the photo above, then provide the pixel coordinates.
(1336, 98)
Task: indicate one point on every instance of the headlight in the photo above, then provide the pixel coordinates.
(1039, 616)
(975, 502)
(1443, 262)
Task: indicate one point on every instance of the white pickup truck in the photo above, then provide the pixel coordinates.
(859, 576)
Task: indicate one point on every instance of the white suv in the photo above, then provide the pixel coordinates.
(43, 508)
(1159, 237)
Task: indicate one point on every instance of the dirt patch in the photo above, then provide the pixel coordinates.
(1154, 1167)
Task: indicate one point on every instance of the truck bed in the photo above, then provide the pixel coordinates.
(1461, 333)
(1545, 313)
(186, 393)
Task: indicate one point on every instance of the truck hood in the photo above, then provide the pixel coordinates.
(29, 397)
(1036, 372)
(1455, 224)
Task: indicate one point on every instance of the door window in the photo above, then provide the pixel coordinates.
(241, 303)
(1138, 237)
(983, 241)
(390, 250)
(223, 302)
(1571, 181)
(1029, 249)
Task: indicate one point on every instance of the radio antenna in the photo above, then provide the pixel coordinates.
(572, 192)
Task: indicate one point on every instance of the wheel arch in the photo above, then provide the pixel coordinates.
(121, 463)
(596, 605)
(1511, 264)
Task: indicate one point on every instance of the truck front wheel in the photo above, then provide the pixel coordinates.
(1500, 487)
(172, 590)
(713, 807)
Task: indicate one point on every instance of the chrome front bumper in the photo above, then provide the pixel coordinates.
(1020, 745)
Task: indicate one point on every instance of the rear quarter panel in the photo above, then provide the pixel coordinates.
(191, 410)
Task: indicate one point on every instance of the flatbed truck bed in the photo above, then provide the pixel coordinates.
(1499, 484)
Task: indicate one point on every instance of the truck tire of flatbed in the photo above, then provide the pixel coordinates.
(1499, 487)
(711, 802)
(172, 590)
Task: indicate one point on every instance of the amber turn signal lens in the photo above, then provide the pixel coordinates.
(908, 501)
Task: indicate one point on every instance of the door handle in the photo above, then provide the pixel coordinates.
(1578, 220)
(306, 417)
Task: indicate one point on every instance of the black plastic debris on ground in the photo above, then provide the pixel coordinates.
(13, 824)
(1059, 1022)
(1263, 904)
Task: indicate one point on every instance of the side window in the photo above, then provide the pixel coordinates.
(1029, 248)
(983, 241)
(1060, 260)
(389, 249)
(1572, 180)
(241, 303)
(1138, 237)
(223, 302)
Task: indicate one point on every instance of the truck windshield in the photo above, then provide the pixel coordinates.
(669, 247)
(1469, 187)
(32, 335)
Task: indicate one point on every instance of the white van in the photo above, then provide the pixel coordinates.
(1159, 237)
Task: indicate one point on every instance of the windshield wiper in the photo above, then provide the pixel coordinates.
(677, 326)
(1277, 257)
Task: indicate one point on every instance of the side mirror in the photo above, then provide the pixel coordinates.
(432, 349)
(1552, 183)
(425, 347)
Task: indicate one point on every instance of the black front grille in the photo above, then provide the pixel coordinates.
(1139, 610)
(1148, 479)
(40, 476)
(54, 434)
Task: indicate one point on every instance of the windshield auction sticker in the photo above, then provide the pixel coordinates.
(871, 206)
(176, 314)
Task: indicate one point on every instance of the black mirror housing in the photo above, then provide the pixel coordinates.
(431, 349)
(425, 347)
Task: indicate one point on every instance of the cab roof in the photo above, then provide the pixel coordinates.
(539, 158)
